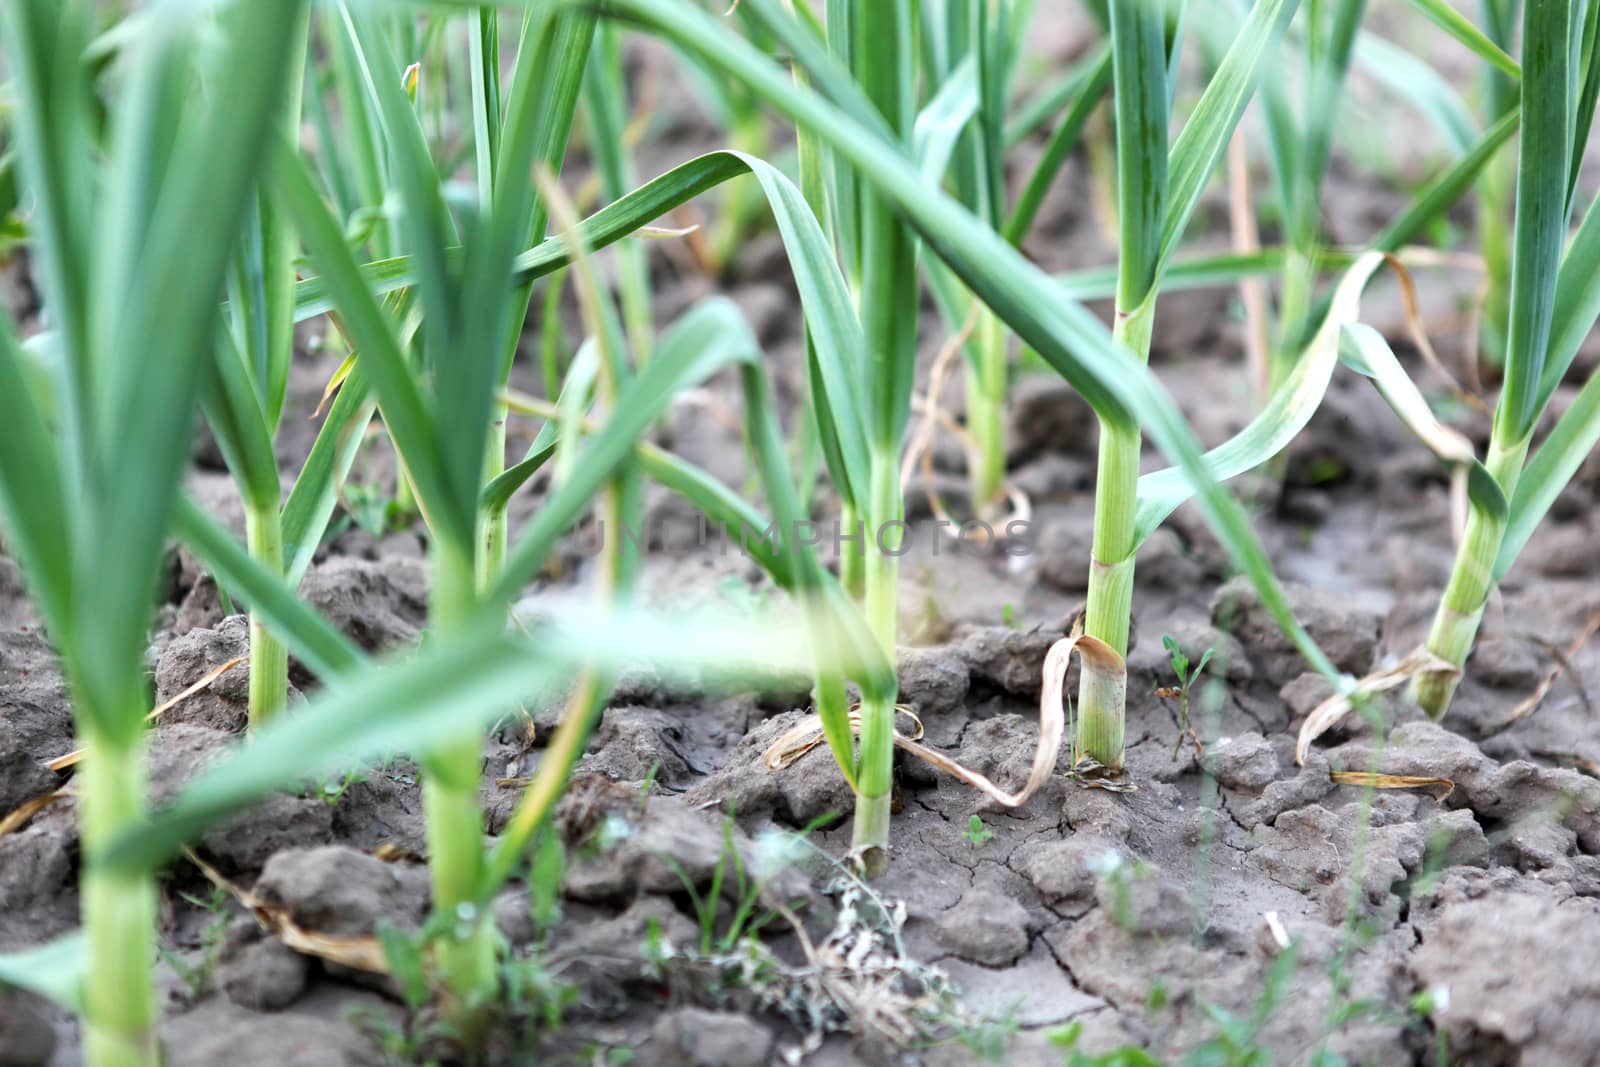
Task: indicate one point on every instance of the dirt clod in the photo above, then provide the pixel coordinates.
(1535, 991)
(695, 1037)
(1246, 762)
(1345, 630)
(933, 681)
(225, 703)
(259, 972)
(36, 869)
(1009, 660)
(220, 1032)
(1063, 871)
(26, 1037)
(604, 957)
(35, 721)
(379, 604)
(1143, 901)
(1507, 664)
(986, 927)
(807, 790)
(337, 890)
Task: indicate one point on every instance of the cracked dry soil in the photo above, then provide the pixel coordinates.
(1134, 915)
(1139, 916)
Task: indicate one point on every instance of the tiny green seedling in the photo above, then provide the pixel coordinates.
(1066, 1038)
(657, 950)
(976, 833)
(371, 507)
(987, 1038)
(197, 977)
(648, 786)
(1180, 692)
(405, 954)
(333, 791)
(747, 886)
(544, 882)
(1158, 997)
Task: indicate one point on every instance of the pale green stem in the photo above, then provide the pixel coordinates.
(119, 913)
(852, 554)
(269, 659)
(1455, 624)
(870, 842)
(1294, 304)
(405, 501)
(492, 546)
(1101, 709)
(465, 958)
(986, 410)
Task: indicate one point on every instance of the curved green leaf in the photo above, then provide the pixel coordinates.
(1066, 88)
(316, 489)
(1062, 140)
(702, 341)
(1278, 422)
(1199, 272)
(55, 970)
(1205, 136)
(1541, 220)
(406, 412)
(1364, 350)
(232, 406)
(825, 300)
(1448, 187)
(1577, 304)
(1030, 303)
(1457, 25)
(34, 512)
(940, 124)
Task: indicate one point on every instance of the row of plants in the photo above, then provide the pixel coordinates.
(192, 182)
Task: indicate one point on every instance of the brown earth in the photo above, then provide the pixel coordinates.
(1140, 916)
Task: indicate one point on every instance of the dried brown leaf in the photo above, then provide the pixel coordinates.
(360, 953)
(24, 812)
(1330, 711)
(1377, 780)
(389, 852)
(73, 758)
(1096, 656)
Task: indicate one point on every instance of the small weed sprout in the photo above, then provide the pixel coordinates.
(1180, 692)
(1066, 1039)
(976, 833)
(745, 889)
(1112, 869)
(405, 1041)
(332, 791)
(544, 883)
(197, 978)
(987, 1038)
